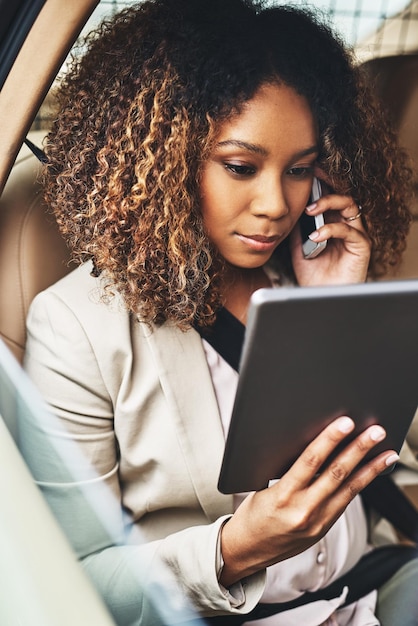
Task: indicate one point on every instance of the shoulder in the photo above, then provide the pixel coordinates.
(81, 291)
(78, 330)
(80, 295)
(78, 313)
(82, 313)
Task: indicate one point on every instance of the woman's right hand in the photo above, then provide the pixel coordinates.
(297, 511)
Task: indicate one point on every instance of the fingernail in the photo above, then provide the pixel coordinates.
(377, 433)
(345, 424)
(314, 235)
(393, 458)
(311, 207)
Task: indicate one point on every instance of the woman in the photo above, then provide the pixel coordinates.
(179, 165)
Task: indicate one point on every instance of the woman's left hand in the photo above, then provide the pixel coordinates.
(347, 254)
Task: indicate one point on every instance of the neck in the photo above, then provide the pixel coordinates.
(240, 284)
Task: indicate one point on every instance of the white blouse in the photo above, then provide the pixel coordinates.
(317, 566)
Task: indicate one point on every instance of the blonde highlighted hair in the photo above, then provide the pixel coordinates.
(138, 113)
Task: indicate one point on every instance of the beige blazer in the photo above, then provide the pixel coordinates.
(135, 423)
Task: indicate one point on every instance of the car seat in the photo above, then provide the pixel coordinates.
(395, 79)
(33, 255)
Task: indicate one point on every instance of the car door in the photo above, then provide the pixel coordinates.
(41, 583)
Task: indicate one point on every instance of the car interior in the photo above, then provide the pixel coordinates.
(35, 38)
(38, 564)
(396, 82)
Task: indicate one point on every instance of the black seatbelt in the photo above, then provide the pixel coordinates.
(371, 572)
(40, 154)
(226, 336)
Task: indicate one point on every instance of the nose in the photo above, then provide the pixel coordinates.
(270, 201)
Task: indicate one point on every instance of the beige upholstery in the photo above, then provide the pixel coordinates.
(396, 81)
(33, 254)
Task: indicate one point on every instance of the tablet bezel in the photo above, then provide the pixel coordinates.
(355, 348)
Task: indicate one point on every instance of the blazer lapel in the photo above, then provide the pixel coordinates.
(187, 385)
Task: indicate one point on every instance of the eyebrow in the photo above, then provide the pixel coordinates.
(251, 147)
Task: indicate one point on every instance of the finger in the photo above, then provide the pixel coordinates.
(345, 231)
(356, 216)
(308, 464)
(340, 468)
(342, 207)
(333, 202)
(359, 480)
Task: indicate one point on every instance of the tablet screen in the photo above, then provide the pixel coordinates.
(312, 354)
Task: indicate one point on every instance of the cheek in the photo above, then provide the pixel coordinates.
(210, 211)
(207, 205)
(297, 213)
(217, 203)
(214, 220)
(300, 200)
(208, 195)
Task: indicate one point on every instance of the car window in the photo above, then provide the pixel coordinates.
(374, 29)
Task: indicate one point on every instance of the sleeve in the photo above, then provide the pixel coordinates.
(73, 456)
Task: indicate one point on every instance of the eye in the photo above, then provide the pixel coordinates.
(239, 170)
(301, 172)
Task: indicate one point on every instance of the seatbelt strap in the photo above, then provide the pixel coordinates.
(226, 336)
(40, 154)
(371, 572)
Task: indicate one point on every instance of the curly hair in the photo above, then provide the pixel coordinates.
(138, 113)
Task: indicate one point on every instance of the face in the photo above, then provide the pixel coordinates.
(257, 181)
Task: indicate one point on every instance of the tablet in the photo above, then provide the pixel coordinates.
(312, 354)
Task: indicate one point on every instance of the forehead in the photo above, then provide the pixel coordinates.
(276, 113)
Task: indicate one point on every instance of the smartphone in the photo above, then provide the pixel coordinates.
(309, 223)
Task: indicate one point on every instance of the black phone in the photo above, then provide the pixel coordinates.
(309, 223)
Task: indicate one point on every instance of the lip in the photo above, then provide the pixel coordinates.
(260, 243)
